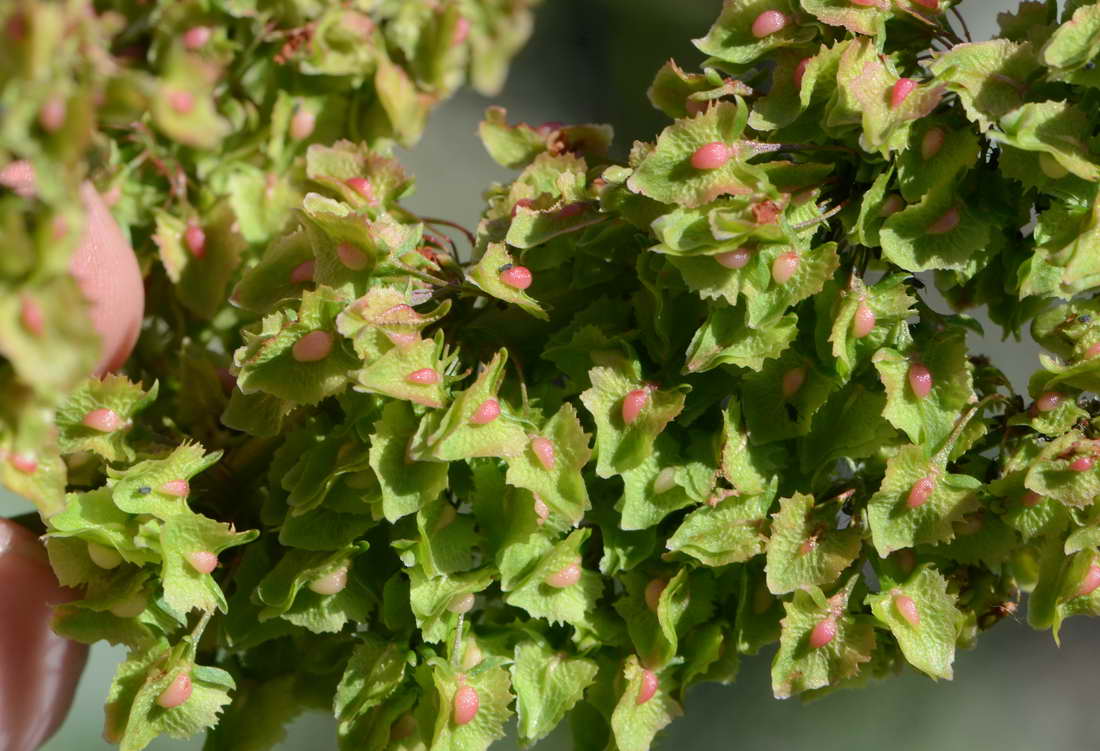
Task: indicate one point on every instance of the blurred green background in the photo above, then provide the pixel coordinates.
(591, 61)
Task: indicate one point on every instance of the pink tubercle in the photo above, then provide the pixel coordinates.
(542, 511)
(633, 404)
(181, 101)
(178, 692)
(920, 380)
(1082, 463)
(31, 316)
(784, 267)
(892, 205)
(1049, 401)
(792, 381)
(176, 488)
(313, 347)
(196, 37)
(303, 272)
(800, 71)
(711, 156)
(424, 377)
(921, 491)
(525, 203)
(203, 561)
(653, 592)
(900, 91)
(647, 688)
(103, 420)
(734, 259)
(362, 186)
(466, 704)
(863, 322)
(302, 124)
(486, 412)
(823, 633)
(907, 608)
(1031, 499)
(351, 257)
(767, 23)
(52, 114)
(516, 277)
(565, 577)
(331, 583)
(461, 32)
(543, 448)
(932, 142)
(1090, 582)
(1092, 351)
(195, 239)
(949, 221)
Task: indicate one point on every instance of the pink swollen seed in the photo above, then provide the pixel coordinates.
(949, 221)
(907, 608)
(932, 142)
(331, 583)
(104, 420)
(423, 377)
(792, 381)
(1048, 401)
(1030, 499)
(767, 23)
(52, 115)
(653, 592)
(735, 259)
(517, 277)
(303, 272)
(1090, 582)
(784, 266)
(203, 561)
(863, 322)
(800, 71)
(544, 452)
(920, 492)
(633, 404)
(178, 691)
(352, 257)
(565, 578)
(461, 32)
(362, 186)
(466, 704)
(181, 101)
(900, 91)
(920, 380)
(1082, 464)
(196, 37)
(711, 155)
(176, 488)
(302, 124)
(648, 687)
(892, 205)
(486, 412)
(195, 239)
(314, 346)
(823, 633)
(1092, 351)
(542, 511)
(23, 462)
(32, 318)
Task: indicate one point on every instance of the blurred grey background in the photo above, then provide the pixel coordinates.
(591, 61)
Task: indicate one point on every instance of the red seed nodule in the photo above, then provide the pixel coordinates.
(362, 186)
(52, 114)
(176, 488)
(949, 221)
(800, 71)
(1031, 499)
(517, 277)
(792, 381)
(203, 561)
(314, 346)
(542, 511)
(932, 142)
(195, 240)
(1090, 582)
(461, 32)
(907, 608)
(1048, 401)
(711, 155)
(196, 37)
(735, 259)
(303, 272)
(768, 23)
(565, 578)
(486, 412)
(181, 101)
(653, 592)
(302, 124)
(104, 420)
(543, 449)
(920, 380)
(423, 377)
(823, 633)
(32, 318)
(466, 704)
(900, 91)
(1082, 463)
(351, 257)
(784, 267)
(633, 404)
(1092, 351)
(23, 462)
(863, 322)
(920, 492)
(178, 691)
(648, 687)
